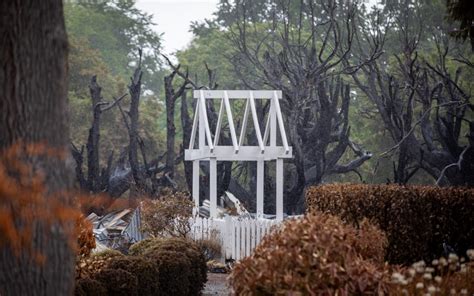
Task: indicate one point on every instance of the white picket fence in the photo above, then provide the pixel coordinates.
(238, 237)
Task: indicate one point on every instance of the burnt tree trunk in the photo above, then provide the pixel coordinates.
(187, 125)
(135, 89)
(94, 138)
(33, 108)
(170, 101)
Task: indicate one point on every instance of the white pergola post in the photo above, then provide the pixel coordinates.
(213, 187)
(260, 178)
(196, 188)
(279, 189)
(210, 150)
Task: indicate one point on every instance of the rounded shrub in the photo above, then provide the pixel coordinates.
(315, 255)
(174, 269)
(89, 287)
(141, 247)
(118, 282)
(419, 220)
(191, 250)
(144, 270)
(88, 266)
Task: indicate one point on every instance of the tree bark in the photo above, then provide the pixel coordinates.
(33, 109)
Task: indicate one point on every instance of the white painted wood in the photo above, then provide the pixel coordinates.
(273, 126)
(237, 239)
(252, 236)
(196, 172)
(256, 125)
(230, 119)
(244, 124)
(246, 153)
(247, 237)
(206, 121)
(219, 124)
(234, 240)
(236, 94)
(260, 189)
(193, 131)
(202, 129)
(267, 129)
(279, 189)
(280, 122)
(213, 186)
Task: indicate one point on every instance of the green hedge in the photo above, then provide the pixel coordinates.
(417, 220)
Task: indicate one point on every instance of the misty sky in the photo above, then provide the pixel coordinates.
(173, 18)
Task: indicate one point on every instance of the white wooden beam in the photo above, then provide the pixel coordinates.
(219, 124)
(236, 94)
(206, 121)
(230, 119)
(193, 131)
(243, 130)
(247, 153)
(280, 121)
(256, 125)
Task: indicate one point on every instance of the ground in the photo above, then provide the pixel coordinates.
(216, 285)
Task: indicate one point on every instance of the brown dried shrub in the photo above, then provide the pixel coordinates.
(167, 216)
(315, 255)
(88, 266)
(89, 287)
(85, 236)
(118, 282)
(416, 219)
(210, 247)
(187, 248)
(145, 270)
(174, 269)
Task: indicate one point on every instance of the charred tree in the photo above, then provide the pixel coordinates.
(291, 57)
(422, 104)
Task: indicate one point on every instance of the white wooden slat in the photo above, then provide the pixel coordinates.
(219, 124)
(194, 129)
(236, 94)
(280, 122)
(259, 230)
(237, 240)
(247, 237)
(267, 127)
(234, 240)
(256, 125)
(244, 125)
(273, 126)
(252, 235)
(230, 119)
(206, 121)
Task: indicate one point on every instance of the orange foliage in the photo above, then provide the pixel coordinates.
(315, 255)
(27, 208)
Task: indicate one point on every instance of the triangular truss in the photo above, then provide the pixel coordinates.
(208, 148)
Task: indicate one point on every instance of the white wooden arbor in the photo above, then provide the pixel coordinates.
(209, 149)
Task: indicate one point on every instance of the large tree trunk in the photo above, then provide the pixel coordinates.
(33, 90)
